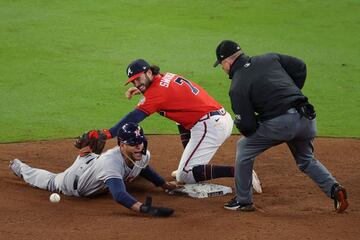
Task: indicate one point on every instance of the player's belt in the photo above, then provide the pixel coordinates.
(76, 180)
(221, 112)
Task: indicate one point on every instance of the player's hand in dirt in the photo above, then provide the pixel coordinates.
(169, 186)
(148, 209)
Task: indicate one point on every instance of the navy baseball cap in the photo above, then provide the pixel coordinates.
(135, 69)
(225, 49)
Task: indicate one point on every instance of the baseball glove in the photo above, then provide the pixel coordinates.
(155, 211)
(94, 139)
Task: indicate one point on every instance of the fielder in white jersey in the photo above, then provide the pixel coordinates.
(92, 174)
(205, 123)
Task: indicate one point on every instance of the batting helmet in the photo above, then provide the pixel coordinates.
(132, 134)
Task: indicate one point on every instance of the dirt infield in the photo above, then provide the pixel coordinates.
(291, 207)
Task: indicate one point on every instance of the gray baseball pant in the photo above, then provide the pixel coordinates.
(298, 132)
(61, 182)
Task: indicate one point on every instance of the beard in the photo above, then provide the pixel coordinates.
(144, 86)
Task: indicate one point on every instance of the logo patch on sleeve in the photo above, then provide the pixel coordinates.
(142, 101)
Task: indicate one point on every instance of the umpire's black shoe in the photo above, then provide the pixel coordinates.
(338, 193)
(236, 206)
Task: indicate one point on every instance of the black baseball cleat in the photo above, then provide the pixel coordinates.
(338, 193)
(236, 206)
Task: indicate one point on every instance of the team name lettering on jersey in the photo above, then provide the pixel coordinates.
(178, 99)
(165, 81)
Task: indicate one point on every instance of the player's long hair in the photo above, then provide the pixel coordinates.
(155, 70)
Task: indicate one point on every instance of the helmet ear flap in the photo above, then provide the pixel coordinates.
(145, 146)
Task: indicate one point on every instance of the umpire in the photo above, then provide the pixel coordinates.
(270, 109)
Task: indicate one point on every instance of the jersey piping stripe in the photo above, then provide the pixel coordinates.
(197, 146)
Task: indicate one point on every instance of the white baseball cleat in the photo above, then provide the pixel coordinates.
(256, 182)
(15, 166)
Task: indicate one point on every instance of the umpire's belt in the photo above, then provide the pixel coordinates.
(221, 112)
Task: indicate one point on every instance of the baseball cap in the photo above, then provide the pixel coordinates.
(225, 49)
(135, 69)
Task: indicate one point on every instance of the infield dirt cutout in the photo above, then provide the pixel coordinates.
(291, 207)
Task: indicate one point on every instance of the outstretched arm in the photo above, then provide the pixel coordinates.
(119, 193)
(135, 116)
(152, 176)
(96, 139)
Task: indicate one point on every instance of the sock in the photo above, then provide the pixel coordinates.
(208, 171)
(184, 135)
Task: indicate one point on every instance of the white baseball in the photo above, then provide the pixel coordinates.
(54, 198)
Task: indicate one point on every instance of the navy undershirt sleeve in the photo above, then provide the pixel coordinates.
(152, 176)
(119, 193)
(135, 116)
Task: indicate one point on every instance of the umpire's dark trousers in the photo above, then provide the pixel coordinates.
(298, 132)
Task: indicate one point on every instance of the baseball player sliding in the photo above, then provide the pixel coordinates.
(92, 174)
(186, 103)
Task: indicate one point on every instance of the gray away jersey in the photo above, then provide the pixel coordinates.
(111, 164)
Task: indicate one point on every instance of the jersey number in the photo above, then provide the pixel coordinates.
(193, 89)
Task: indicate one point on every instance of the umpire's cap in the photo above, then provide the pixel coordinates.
(135, 69)
(225, 49)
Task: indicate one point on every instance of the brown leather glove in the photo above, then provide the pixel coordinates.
(94, 139)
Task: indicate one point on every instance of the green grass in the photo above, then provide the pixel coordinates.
(63, 63)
